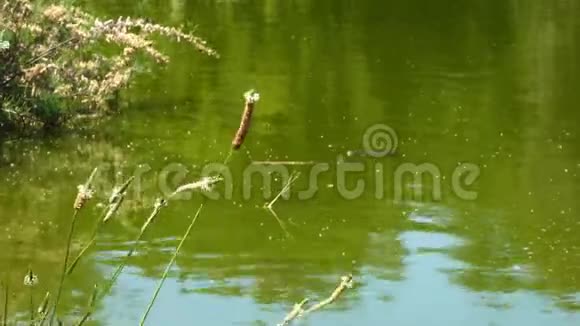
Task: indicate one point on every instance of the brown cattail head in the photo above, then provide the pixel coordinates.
(250, 97)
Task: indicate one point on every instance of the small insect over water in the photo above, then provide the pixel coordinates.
(251, 97)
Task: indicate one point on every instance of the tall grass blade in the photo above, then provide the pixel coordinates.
(160, 203)
(169, 265)
(84, 194)
(6, 295)
(90, 307)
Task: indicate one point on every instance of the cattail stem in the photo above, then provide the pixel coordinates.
(170, 264)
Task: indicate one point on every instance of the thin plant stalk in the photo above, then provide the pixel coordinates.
(270, 206)
(170, 264)
(96, 228)
(43, 309)
(30, 281)
(250, 97)
(83, 195)
(291, 180)
(158, 205)
(121, 266)
(65, 263)
(31, 305)
(346, 282)
(72, 266)
(90, 307)
(5, 317)
(115, 202)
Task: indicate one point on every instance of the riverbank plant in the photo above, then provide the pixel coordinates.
(59, 62)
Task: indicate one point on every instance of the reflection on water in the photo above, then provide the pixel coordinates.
(492, 83)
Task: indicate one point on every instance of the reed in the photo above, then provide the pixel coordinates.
(159, 204)
(115, 201)
(205, 184)
(42, 311)
(6, 296)
(84, 194)
(30, 281)
(250, 99)
(169, 265)
(346, 282)
(90, 307)
(270, 205)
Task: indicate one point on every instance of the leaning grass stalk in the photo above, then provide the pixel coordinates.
(117, 198)
(170, 264)
(80, 255)
(280, 222)
(157, 208)
(72, 266)
(90, 307)
(285, 162)
(270, 208)
(294, 313)
(43, 309)
(65, 263)
(83, 195)
(293, 177)
(6, 295)
(299, 311)
(345, 283)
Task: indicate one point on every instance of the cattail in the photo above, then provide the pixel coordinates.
(251, 97)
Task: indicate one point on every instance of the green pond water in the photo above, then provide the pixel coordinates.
(487, 87)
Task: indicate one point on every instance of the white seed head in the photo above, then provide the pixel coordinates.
(30, 279)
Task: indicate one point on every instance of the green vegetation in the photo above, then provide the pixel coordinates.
(59, 62)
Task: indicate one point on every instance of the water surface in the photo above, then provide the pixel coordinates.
(492, 83)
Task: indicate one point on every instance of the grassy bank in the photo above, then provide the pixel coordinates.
(59, 62)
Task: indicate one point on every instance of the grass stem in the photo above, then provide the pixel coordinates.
(64, 264)
(84, 194)
(6, 295)
(170, 264)
(157, 208)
